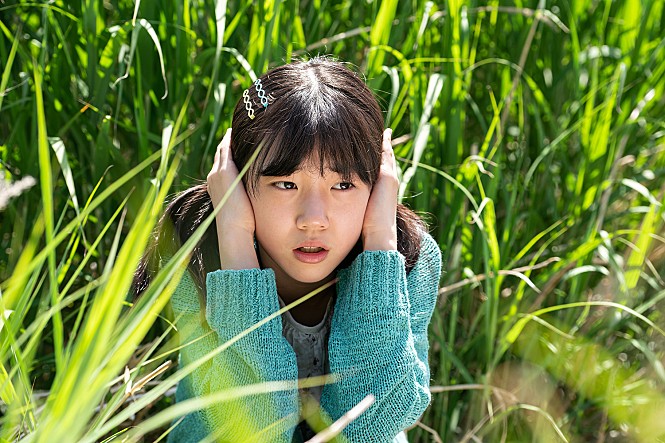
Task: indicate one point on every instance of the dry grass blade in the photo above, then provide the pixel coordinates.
(435, 435)
(131, 389)
(338, 426)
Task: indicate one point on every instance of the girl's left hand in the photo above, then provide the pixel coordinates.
(379, 231)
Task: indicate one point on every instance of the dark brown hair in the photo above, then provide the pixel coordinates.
(317, 106)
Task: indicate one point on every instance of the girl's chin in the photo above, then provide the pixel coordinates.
(309, 279)
(310, 276)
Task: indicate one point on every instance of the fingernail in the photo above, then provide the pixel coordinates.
(389, 132)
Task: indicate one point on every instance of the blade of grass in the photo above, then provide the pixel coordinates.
(46, 184)
(380, 36)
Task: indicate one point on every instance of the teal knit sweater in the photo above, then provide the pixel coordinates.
(378, 344)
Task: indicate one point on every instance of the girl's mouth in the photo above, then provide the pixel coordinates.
(310, 249)
(310, 254)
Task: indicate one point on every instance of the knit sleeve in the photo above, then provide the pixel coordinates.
(235, 301)
(378, 342)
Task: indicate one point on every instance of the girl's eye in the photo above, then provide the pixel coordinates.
(285, 185)
(343, 186)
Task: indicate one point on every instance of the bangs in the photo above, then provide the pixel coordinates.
(322, 130)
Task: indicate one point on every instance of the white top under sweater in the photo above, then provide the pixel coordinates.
(310, 344)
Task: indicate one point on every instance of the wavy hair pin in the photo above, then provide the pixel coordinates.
(248, 104)
(261, 92)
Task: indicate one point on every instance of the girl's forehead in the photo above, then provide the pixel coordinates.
(312, 165)
(314, 170)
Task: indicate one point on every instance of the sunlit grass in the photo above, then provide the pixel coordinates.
(531, 134)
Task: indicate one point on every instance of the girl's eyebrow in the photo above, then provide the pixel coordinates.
(274, 176)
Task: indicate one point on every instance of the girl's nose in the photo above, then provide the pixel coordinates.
(312, 214)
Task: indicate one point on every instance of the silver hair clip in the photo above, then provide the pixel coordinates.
(261, 93)
(248, 104)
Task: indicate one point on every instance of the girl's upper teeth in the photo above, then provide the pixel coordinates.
(310, 249)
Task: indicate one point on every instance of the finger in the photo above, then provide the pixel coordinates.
(388, 156)
(222, 153)
(387, 139)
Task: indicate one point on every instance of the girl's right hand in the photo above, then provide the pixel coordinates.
(235, 220)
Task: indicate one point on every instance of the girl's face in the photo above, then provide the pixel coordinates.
(307, 223)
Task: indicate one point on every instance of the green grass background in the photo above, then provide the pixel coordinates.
(532, 134)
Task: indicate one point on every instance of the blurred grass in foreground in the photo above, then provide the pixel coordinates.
(533, 133)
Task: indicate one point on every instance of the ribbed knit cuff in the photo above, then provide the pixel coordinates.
(238, 299)
(373, 289)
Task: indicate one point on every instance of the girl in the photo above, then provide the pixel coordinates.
(318, 203)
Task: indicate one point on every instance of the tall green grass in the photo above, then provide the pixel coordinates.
(532, 134)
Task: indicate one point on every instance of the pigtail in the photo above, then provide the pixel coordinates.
(410, 229)
(183, 215)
